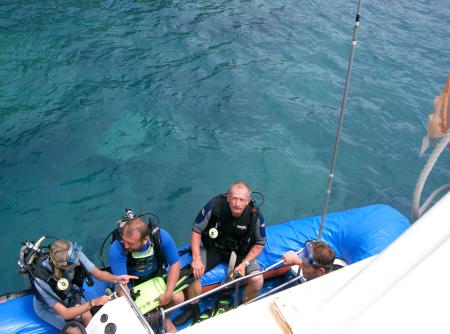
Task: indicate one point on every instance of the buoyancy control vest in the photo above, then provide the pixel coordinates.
(69, 291)
(145, 261)
(233, 234)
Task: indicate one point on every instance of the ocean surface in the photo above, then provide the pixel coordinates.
(160, 105)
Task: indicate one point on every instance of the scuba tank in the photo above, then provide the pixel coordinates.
(27, 254)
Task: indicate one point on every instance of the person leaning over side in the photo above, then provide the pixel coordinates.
(138, 253)
(56, 279)
(316, 259)
(225, 224)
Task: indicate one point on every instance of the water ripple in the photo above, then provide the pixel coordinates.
(159, 105)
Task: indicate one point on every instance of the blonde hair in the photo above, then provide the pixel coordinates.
(59, 252)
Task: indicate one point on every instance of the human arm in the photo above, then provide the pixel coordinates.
(68, 313)
(172, 279)
(251, 255)
(172, 258)
(200, 224)
(259, 241)
(197, 265)
(290, 258)
(105, 276)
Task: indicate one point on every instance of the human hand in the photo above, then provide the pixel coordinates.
(165, 298)
(102, 300)
(240, 269)
(198, 267)
(124, 279)
(290, 258)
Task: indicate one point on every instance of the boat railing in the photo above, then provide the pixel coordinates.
(225, 286)
(135, 308)
(299, 277)
(123, 290)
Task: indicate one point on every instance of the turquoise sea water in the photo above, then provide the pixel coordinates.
(160, 105)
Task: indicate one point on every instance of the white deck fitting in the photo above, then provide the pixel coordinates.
(119, 313)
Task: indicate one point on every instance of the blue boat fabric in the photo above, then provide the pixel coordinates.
(17, 316)
(354, 235)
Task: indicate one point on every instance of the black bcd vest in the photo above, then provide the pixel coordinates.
(155, 239)
(69, 297)
(234, 234)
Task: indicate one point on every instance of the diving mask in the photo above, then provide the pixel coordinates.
(73, 254)
(307, 255)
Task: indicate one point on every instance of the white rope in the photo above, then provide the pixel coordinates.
(417, 210)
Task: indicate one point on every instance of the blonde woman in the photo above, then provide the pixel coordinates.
(57, 280)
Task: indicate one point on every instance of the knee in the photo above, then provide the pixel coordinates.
(196, 286)
(194, 289)
(257, 281)
(178, 298)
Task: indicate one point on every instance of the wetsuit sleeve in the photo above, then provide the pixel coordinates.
(169, 249)
(118, 259)
(260, 231)
(202, 219)
(88, 265)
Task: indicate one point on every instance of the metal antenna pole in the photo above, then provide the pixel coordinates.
(341, 121)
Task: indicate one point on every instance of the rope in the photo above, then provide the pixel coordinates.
(417, 210)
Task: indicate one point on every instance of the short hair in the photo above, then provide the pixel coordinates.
(240, 183)
(323, 254)
(136, 225)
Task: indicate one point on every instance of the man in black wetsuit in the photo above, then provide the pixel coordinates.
(225, 224)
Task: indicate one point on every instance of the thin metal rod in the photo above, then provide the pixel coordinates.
(219, 288)
(341, 122)
(135, 308)
(236, 295)
(295, 279)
